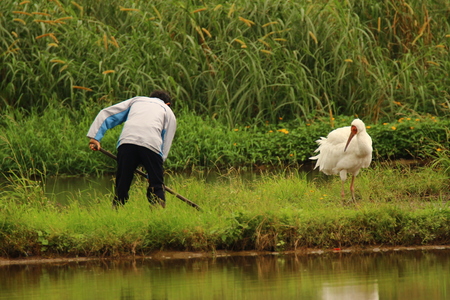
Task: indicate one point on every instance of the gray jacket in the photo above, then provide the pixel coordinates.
(149, 122)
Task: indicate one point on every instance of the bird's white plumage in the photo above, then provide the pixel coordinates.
(333, 160)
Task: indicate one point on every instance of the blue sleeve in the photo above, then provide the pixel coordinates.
(111, 122)
(108, 118)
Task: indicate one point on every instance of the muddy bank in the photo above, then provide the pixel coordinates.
(165, 255)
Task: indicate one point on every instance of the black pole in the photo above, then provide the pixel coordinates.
(107, 153)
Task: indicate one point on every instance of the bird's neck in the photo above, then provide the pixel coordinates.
(364, 146)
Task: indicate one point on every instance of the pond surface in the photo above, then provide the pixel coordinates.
(66, 189)
(396, 275)
(83, 189)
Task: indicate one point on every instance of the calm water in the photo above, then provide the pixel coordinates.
(396, 275)
(83, 189)
(66, 189)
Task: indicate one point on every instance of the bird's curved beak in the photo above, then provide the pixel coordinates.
(353, 132)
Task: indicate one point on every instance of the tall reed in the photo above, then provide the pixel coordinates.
(239, 62)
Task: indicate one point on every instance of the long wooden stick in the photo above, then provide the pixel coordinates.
(107, 153)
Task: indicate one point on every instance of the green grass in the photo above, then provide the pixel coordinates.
(395, 207)
(236, 61)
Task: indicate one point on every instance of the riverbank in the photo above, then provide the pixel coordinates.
(183, 255)
(395, 207)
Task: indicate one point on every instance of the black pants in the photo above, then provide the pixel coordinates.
(129, 157)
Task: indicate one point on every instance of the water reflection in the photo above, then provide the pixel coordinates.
(83, 189)
(395, 275)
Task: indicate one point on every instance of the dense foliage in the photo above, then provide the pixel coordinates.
(256, 83)
(54, 142)
(236, 61)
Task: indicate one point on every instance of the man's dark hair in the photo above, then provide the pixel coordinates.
(163, 95)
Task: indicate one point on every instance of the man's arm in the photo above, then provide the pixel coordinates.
(108, 118)
(170, 126)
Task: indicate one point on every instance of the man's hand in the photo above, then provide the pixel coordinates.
(94, 144)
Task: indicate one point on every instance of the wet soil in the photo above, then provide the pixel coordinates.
(164, 255)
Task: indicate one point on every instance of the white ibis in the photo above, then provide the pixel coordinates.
(345, 150)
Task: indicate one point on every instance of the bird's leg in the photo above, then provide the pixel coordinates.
(352, 188)
(343, 175)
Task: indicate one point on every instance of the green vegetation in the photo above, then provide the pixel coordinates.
(54, 142)
(235, 61)
(255, 83)
(395, 206)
